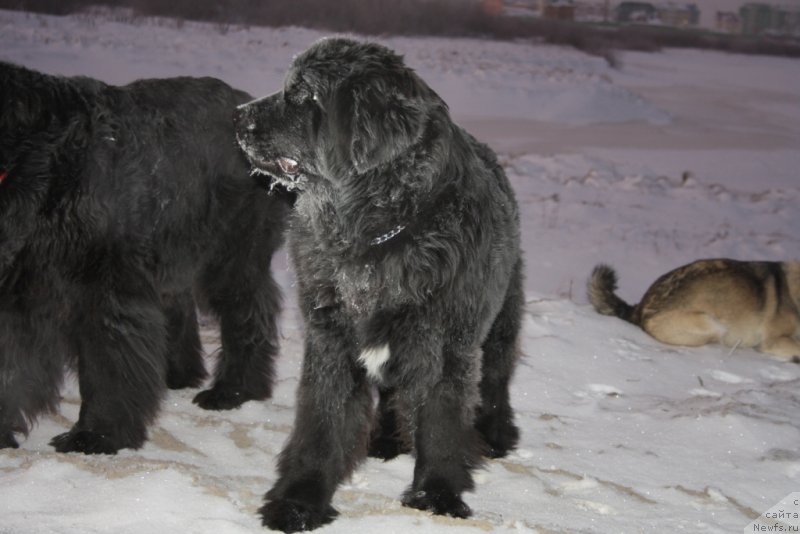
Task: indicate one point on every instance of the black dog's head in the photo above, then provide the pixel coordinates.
(346, 108)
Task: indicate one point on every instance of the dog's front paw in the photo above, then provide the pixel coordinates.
(439, 499)
(226, 397)
(218, 398)
(84, 441)
(293, 516)
(7, 440)
(186, 378)
(386, 448)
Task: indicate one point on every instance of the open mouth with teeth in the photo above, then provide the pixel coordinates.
(284, 171)
(281, 170)
(288, 166)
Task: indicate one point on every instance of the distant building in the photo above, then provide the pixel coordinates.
(493, 7)
(668, 14)
(627, 11)
(640, 12)
(728, 22)
(513, 8)
(558, 9)
(679, 15)
(588, 11)
(758, 19)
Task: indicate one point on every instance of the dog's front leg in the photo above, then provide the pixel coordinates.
(334, 408)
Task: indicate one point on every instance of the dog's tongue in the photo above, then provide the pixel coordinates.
(288, 165)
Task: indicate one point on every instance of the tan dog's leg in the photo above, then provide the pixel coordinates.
(784, 347)
(684, 328)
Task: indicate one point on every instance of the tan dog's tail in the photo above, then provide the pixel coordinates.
(600, 289)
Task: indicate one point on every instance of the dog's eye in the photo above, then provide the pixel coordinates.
(317, 101)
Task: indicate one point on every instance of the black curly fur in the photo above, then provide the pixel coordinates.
(119, 206)
(404, 237)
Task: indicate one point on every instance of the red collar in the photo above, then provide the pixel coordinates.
(3, 176)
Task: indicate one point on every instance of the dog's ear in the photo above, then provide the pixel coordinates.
(375, 122)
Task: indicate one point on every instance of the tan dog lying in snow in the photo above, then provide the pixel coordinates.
(736, 303)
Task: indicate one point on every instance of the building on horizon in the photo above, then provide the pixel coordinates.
(728, 22)
(767, 19)
(752, 18)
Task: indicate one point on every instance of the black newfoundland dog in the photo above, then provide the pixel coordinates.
(405, 240)
(118, 207)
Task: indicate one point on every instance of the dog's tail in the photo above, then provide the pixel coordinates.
(600, 289)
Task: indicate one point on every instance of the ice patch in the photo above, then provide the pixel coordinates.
(597, 507)
(524, 453)
(702, 392)
(604, 389)
(716, 495)
(728, 378)
(581, 485)
(776, 374)
(793, 470)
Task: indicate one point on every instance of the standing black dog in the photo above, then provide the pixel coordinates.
(405, 240)
(119, 206)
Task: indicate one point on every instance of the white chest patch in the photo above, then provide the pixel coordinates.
(373, 359)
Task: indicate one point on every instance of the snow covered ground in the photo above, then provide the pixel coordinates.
(676, 156)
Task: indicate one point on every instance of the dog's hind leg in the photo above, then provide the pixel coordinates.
(119, 337)
(31, 371)
(186, 368)
(387, 440)
(684, 327)
(495, 417)
(785, 347)
(779, 336)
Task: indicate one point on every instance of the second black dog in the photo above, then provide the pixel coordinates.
(118, 207)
